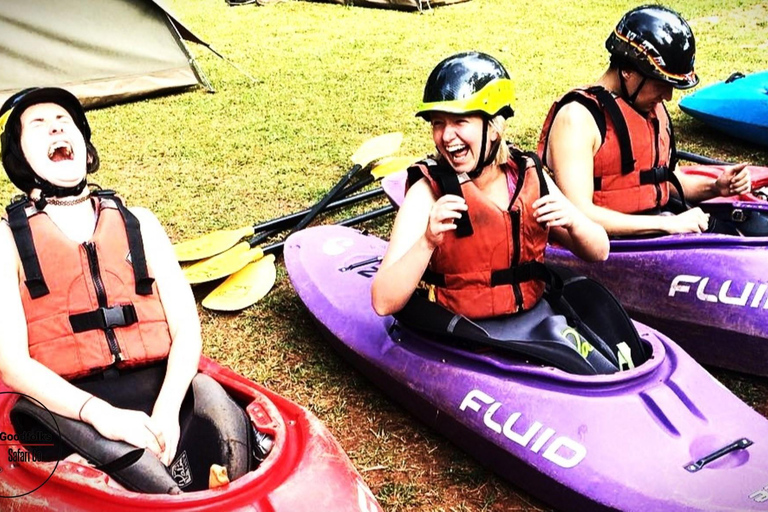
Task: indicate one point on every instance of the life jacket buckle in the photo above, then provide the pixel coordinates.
(118, 316)
(660, 174)
(104, 318)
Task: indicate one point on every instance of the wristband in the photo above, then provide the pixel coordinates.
(80, 414)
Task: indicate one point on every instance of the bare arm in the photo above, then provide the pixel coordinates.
(573, 141)
(571, 228)
(734, 180)
(183, 323)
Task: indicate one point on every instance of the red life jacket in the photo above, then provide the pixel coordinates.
(494, 264)
(84, 307)
(632, 166)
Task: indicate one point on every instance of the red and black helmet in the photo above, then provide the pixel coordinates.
(658, 43)
(14, 162)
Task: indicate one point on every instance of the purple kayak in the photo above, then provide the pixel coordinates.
(707, 292)
(665, 436)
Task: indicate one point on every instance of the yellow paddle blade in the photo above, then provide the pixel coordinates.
(210, 244)
(245, 287)
(377, 147)
(222, 264)
(387, 166)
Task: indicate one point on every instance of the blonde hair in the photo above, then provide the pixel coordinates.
(499, 123)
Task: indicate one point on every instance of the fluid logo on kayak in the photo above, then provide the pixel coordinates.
(562, 451)
(751, 294)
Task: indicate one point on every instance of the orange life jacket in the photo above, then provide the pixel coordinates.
(632, 166)
(494, 264)
(84, 307)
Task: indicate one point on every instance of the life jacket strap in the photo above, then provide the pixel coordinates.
(608, 102)
(22, 235)
(448, 181)
(655, 176)
(528, 271)
(135, 243)
(104, 318)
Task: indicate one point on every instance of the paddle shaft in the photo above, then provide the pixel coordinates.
(359, 219)
(700, 159)
(327, 198)
(291, 219)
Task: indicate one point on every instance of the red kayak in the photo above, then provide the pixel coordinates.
(306, 469)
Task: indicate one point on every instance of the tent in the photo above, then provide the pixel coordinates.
(404, 5)
(103, 51)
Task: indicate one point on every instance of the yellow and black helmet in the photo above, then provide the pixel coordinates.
(468, 83)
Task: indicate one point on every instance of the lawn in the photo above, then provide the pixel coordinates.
(328, 78)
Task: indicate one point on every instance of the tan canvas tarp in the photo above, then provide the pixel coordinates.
(405, 5)
(104, 51)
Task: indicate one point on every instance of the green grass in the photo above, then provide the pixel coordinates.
(329, 78)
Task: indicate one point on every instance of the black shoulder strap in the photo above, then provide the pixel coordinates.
(415, 173)
(135, 243)
(22, 235)
(673, 161)
(543, 187)
(608, 102)
(448, 182)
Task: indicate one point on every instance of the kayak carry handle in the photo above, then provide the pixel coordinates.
(353, 266)
(741, 444)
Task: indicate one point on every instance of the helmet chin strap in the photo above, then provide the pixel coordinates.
(48, 189)
(625, 94)
(483, 163)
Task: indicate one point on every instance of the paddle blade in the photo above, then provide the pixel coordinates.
(210, 244)
(222, 264)
(245, 287)
(376, 148)
(391, 165)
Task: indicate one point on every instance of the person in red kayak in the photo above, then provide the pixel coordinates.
(475, 221)
(611, 145)
(99, 324)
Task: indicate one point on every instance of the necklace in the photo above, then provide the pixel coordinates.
(66, 201)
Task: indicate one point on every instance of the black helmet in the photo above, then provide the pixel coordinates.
(468, 83)
(658, 43)
(14, 162)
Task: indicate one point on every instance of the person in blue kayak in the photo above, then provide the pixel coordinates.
(99, 325)
(611, 145)
(472, 229)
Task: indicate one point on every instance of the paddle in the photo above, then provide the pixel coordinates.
(239, 256)
(249, 284)
(219, 241)
(699, 159)
(374, 149)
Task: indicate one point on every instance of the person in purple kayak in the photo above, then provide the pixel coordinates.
(611, 145)
(99, 324)
(472, 229)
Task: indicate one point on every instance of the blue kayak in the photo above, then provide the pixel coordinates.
(738, 106)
